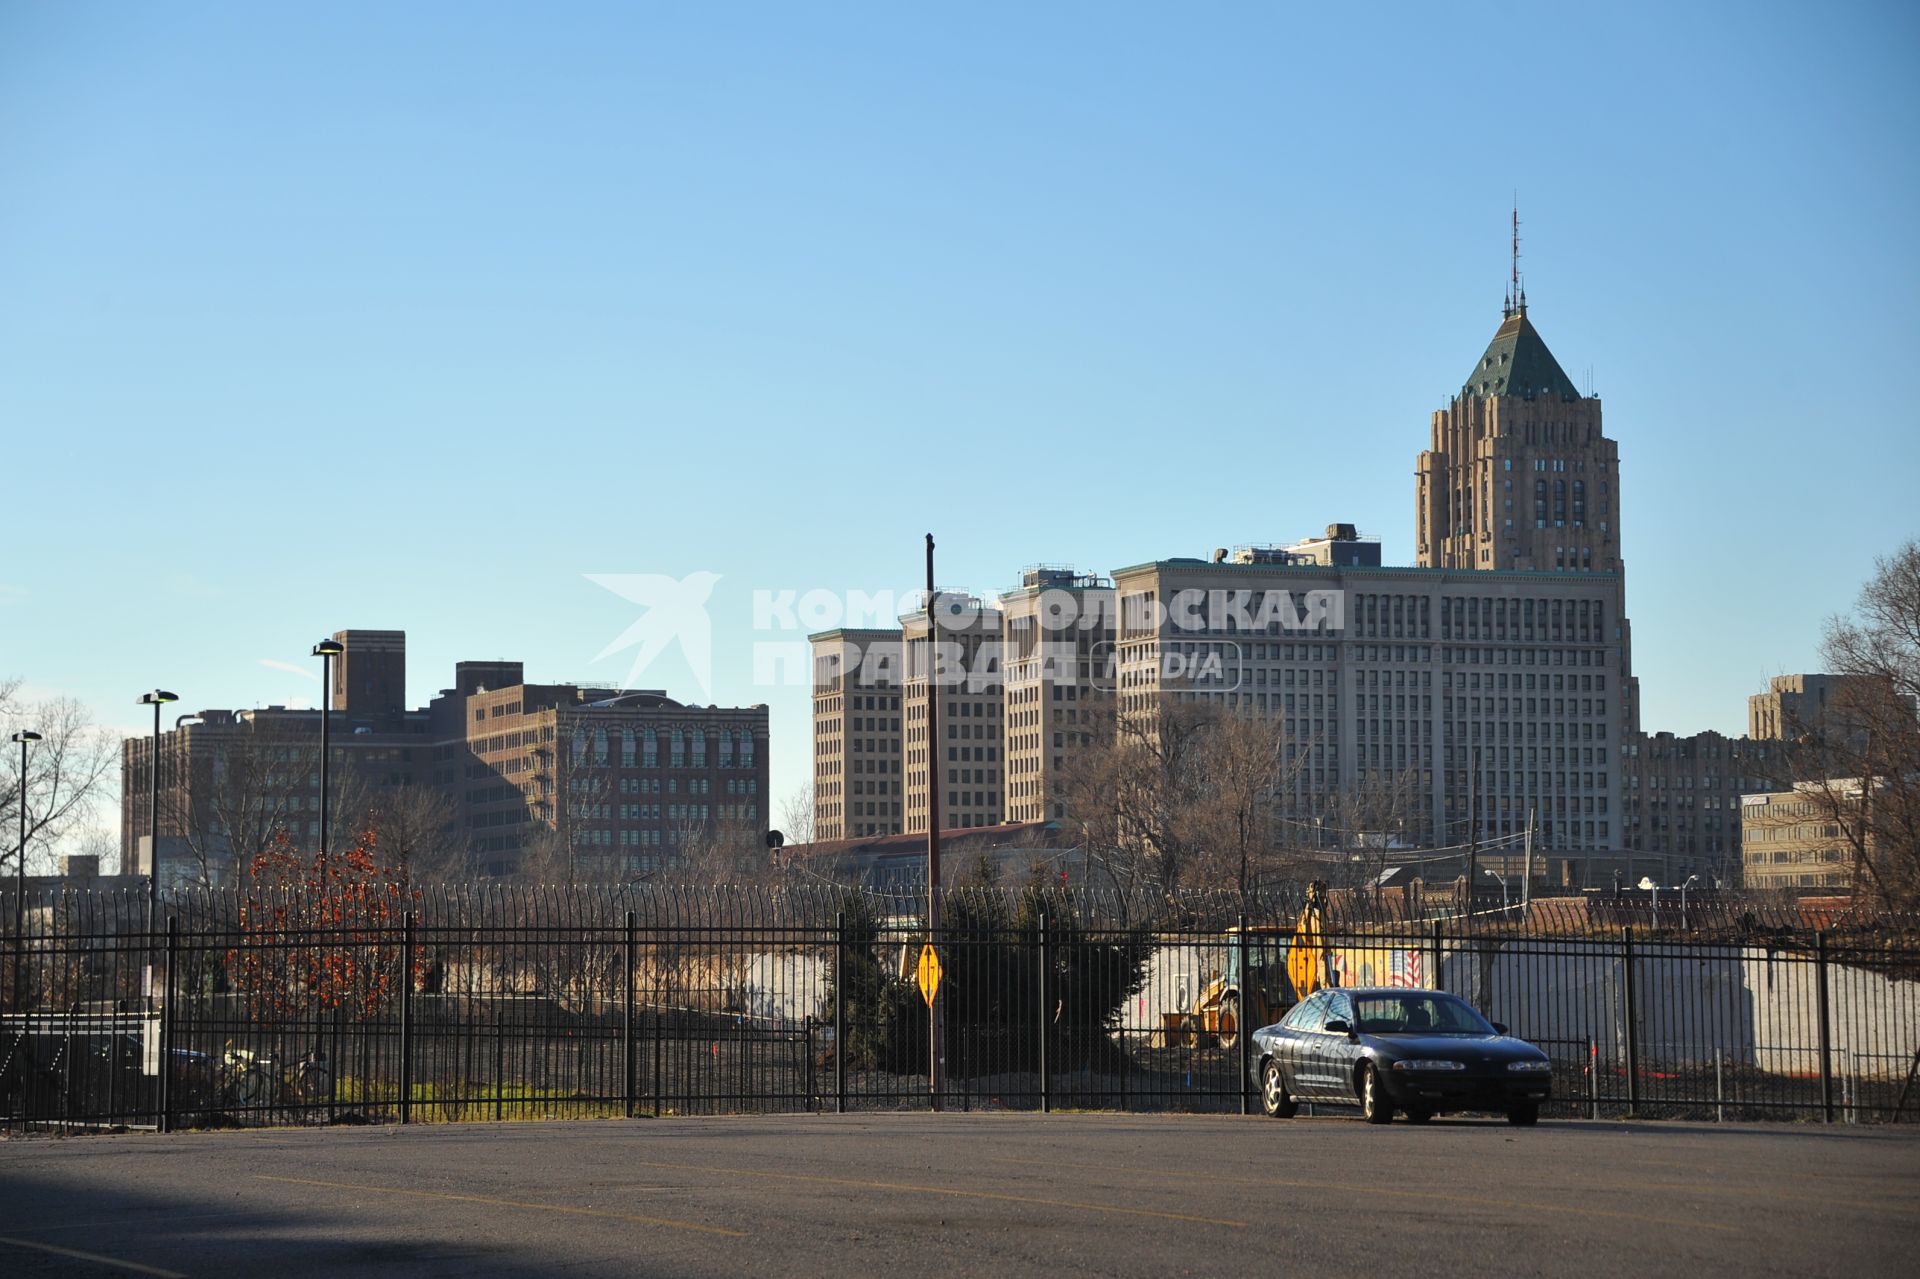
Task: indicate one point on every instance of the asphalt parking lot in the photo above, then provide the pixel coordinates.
(917, 1194)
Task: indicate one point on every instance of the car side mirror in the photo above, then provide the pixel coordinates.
(1339, 1027)
(1499, 1028)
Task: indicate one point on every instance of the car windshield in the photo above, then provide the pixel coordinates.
(1417, 1015)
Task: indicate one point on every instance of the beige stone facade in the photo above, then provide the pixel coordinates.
(953, 651)
(856, 734)
(1520, 474)
(1374, 672)
(1789, 842)
(1796, 705)
(1057, 632)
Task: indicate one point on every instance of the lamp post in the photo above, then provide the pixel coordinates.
(1500, 880)
(24, 736)
(1690, 881)
(326, 650)
(157, 698)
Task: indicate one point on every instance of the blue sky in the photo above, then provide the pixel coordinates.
(415, 315)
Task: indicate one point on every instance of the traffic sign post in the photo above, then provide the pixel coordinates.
(927, 973)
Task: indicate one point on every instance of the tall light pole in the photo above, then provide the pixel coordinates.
(326, 650)
(24, 736)
(157, 698)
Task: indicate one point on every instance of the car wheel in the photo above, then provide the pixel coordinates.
(1275, 1100)
(1525, 1115)
(1417, 1115)
(1374, 1106)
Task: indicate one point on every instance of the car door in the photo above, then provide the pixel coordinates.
(1293, 1046)
(1335, 1052)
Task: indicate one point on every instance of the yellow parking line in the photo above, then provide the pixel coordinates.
(953, 1192)
(1488, 1201)
(95, 1258)
(512, 1203)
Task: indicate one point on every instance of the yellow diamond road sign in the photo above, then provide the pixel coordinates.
(928, 972)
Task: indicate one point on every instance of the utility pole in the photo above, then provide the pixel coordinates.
(1526, 885)
(936, 1041)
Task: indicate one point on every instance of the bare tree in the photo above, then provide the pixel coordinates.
(1860, 772)
(1193, 796)
(714, 851)
(1088, 783)
(417, 831)
(70, 770)
(252, 788)
(1247, 769)
(1369, 819)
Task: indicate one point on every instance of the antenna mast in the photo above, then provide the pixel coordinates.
(1513, 284)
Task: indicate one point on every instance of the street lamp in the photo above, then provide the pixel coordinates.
(1691, 880)
(157, 698)
(326, 650)
(1501, 880)
(24, 736)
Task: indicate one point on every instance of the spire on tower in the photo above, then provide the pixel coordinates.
(1516, 290)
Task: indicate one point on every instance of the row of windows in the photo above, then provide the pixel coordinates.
(686, 749)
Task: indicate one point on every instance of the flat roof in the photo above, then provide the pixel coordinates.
(1410, 570)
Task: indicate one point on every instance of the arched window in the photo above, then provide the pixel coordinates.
(699, 748)
(650, 749)
(579, 755)
(726, 749)
(746, 749)
(626, 747)
(600, 747)
(677, 750)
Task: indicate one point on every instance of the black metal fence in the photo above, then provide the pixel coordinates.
(579, 1003)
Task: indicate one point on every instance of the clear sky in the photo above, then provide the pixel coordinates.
(415, 315)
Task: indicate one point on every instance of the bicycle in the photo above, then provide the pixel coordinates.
(249, 1079)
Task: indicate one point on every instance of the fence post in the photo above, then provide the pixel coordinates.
(1437, 953)
(1719, 1086)
(658, 1031)
(166, 1024)
(1046, 1065)
(1593, 1078)
(840, 1013)
(1242, 1031)
(406, 1018)
(1631, 1012)
(499, 1063)
(626, 1018)
(1826, 1030)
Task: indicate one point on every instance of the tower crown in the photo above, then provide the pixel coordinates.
(1517, 362)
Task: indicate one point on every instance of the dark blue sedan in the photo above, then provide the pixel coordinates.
(1421, 1052)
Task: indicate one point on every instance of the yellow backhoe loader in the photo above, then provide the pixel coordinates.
(1283, 966)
